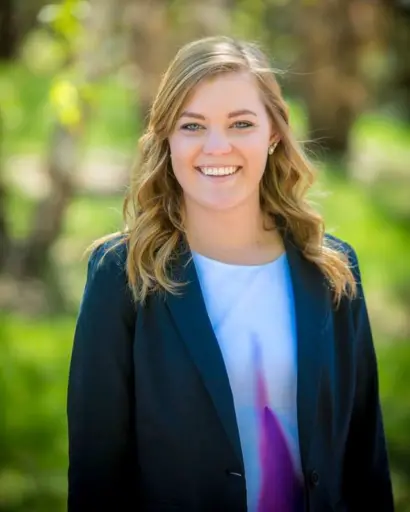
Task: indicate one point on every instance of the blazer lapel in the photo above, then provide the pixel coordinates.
(191, 318)
(313, 307)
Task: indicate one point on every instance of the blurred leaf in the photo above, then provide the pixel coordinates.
(65, 98)
(43, 53)
(65, 18)
(13, 487)
(10, 105)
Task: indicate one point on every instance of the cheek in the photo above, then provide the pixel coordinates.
(183, 154)
(255, 152)
(256, 143)
(182, 151)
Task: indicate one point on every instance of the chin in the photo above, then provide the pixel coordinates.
(221, 205)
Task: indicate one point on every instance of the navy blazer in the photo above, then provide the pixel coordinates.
(151, 418)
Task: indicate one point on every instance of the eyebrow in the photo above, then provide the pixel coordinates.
(235, 113)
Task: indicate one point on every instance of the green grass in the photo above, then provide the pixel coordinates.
(394, 364)
(352, 214)
(34, 367)
(383, 132)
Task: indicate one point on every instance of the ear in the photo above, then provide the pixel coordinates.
(275, 138)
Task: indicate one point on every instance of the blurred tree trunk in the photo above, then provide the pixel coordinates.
(4, 234)
(33, 258)
(4, 238)
(401, 43)
(17, 18)
(335, 37)
(8, 39)
(30, 260)
(158, 28)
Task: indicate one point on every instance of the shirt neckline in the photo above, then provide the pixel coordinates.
(198, 256)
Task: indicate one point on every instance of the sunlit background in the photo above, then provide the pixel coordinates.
(76, 81)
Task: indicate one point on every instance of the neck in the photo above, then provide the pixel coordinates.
(237, 235)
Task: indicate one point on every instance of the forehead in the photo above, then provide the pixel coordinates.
(226, 92)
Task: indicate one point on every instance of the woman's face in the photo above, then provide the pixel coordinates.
(220, 143)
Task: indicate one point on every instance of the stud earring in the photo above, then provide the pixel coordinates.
(272, 148)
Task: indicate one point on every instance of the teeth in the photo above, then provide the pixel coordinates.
(218, 171)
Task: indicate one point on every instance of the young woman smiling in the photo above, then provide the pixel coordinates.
(223, 358)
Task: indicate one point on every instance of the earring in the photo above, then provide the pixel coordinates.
(272, 148)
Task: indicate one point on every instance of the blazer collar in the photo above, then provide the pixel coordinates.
(312, 307)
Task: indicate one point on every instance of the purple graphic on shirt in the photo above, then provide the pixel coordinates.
(281, 489)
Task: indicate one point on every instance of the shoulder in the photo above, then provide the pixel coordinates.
(109, 257)
(106, 273)
(106, 289)
(342, 246)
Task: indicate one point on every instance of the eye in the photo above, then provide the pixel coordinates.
(191, 127)
(243, 124)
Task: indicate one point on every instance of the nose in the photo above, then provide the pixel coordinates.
(217, 143)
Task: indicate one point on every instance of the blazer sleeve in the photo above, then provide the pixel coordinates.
(367, 475)
(100, 403)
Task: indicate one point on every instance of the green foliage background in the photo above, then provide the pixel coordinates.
(35, 350)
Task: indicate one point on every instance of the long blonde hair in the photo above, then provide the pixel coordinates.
(152, 212)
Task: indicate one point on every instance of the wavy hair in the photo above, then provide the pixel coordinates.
(152, 209)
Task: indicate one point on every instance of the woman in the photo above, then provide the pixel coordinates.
(223, 358)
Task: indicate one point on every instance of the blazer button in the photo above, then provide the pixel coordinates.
(229, 472)
(314, 478)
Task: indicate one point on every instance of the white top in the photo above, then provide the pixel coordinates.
(251, 309)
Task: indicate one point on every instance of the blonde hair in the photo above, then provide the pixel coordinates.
(154, 225)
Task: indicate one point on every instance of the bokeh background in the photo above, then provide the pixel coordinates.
(76, 81)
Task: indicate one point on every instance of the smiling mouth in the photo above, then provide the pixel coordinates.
(219, 171)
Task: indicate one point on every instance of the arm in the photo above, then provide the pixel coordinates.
(366, 473)
(101, 474)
